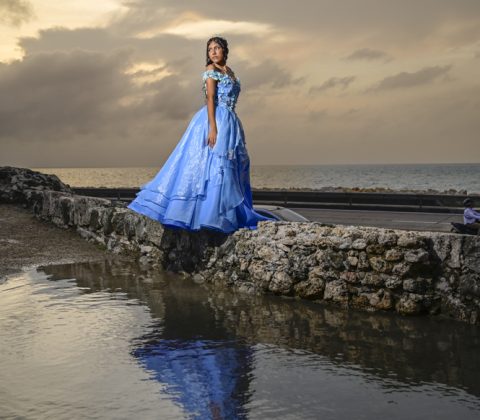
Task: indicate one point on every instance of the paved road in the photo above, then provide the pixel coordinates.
(439, 222)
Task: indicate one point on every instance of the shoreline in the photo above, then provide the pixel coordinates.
(27, 242)
(380, 190)
(280, 177)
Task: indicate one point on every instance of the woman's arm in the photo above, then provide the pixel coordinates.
(211, 91)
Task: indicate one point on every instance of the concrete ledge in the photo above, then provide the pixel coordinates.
(367, 268)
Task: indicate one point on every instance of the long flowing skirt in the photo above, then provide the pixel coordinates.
(203, 187)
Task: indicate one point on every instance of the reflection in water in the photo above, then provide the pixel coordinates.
(206, 377)
(221, 354)
(203, 366)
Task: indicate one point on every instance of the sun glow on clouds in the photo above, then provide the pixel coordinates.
(69, 14)
(196, 28)
(147, 72)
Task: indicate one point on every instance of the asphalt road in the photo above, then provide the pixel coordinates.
(438, 222)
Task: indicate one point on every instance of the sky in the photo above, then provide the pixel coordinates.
(115, 83)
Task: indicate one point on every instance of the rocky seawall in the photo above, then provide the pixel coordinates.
(360, 267)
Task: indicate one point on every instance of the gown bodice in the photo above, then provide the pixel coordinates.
(228, 89)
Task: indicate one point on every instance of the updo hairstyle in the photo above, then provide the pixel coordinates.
(223, 44)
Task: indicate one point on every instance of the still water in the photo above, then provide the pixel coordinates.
(110, 340)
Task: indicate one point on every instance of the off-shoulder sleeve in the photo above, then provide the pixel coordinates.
(211, 74)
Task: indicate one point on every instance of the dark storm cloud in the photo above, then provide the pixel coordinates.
(15, 12)
(56, 96)
(169, 47)
(63, 39)
(267, 72)
(48, 95)
(384, 21)
(74, 89)
(170, 99)
(369, 54)
(333, 82)
(180, 55)
(407, 80)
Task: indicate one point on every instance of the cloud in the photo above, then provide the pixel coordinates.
(333, 82)
(63, 39)
(197, 28)
(105, 95)
(267, 72)
(15, 12)
(316, 116)
(369, 54)
(47, 96)
(346, 20)
(55, 97)
(407, 80)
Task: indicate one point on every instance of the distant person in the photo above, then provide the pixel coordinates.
(471, 218)
(205, 182)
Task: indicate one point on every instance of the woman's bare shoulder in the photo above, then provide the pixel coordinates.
(210, 67)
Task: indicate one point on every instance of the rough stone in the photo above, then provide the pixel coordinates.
(373, 279)
(370, 268)
(381, 300)
(363, 263)
(359, 244)
(352, 261)
(336, 291)
(387, 239)
(401, 269)
(310, 289)
(408, 240)
(414, 285)
(268, 253)
(349, 276)
(335, 259)
(393, 255)
(375, 249)
(393, 282)
(409, 304)
(416, 256)
(380, 265)
(471, 252)
(281, 283)
(454, 260)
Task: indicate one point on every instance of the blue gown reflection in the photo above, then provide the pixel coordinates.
(207, 378)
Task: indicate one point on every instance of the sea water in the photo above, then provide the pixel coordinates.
(439, 177)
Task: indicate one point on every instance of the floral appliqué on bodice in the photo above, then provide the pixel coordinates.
(228, 89)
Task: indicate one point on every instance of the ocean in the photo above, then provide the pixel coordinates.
(398, 177)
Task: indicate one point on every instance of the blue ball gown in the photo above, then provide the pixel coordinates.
(200, 186)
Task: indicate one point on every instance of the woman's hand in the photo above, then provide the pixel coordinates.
(212, 137)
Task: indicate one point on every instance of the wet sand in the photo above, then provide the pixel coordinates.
(26, 242)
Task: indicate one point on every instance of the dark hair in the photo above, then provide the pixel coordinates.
(220, 41)
(468, 202)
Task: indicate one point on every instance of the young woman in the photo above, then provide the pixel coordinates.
(205, 182)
